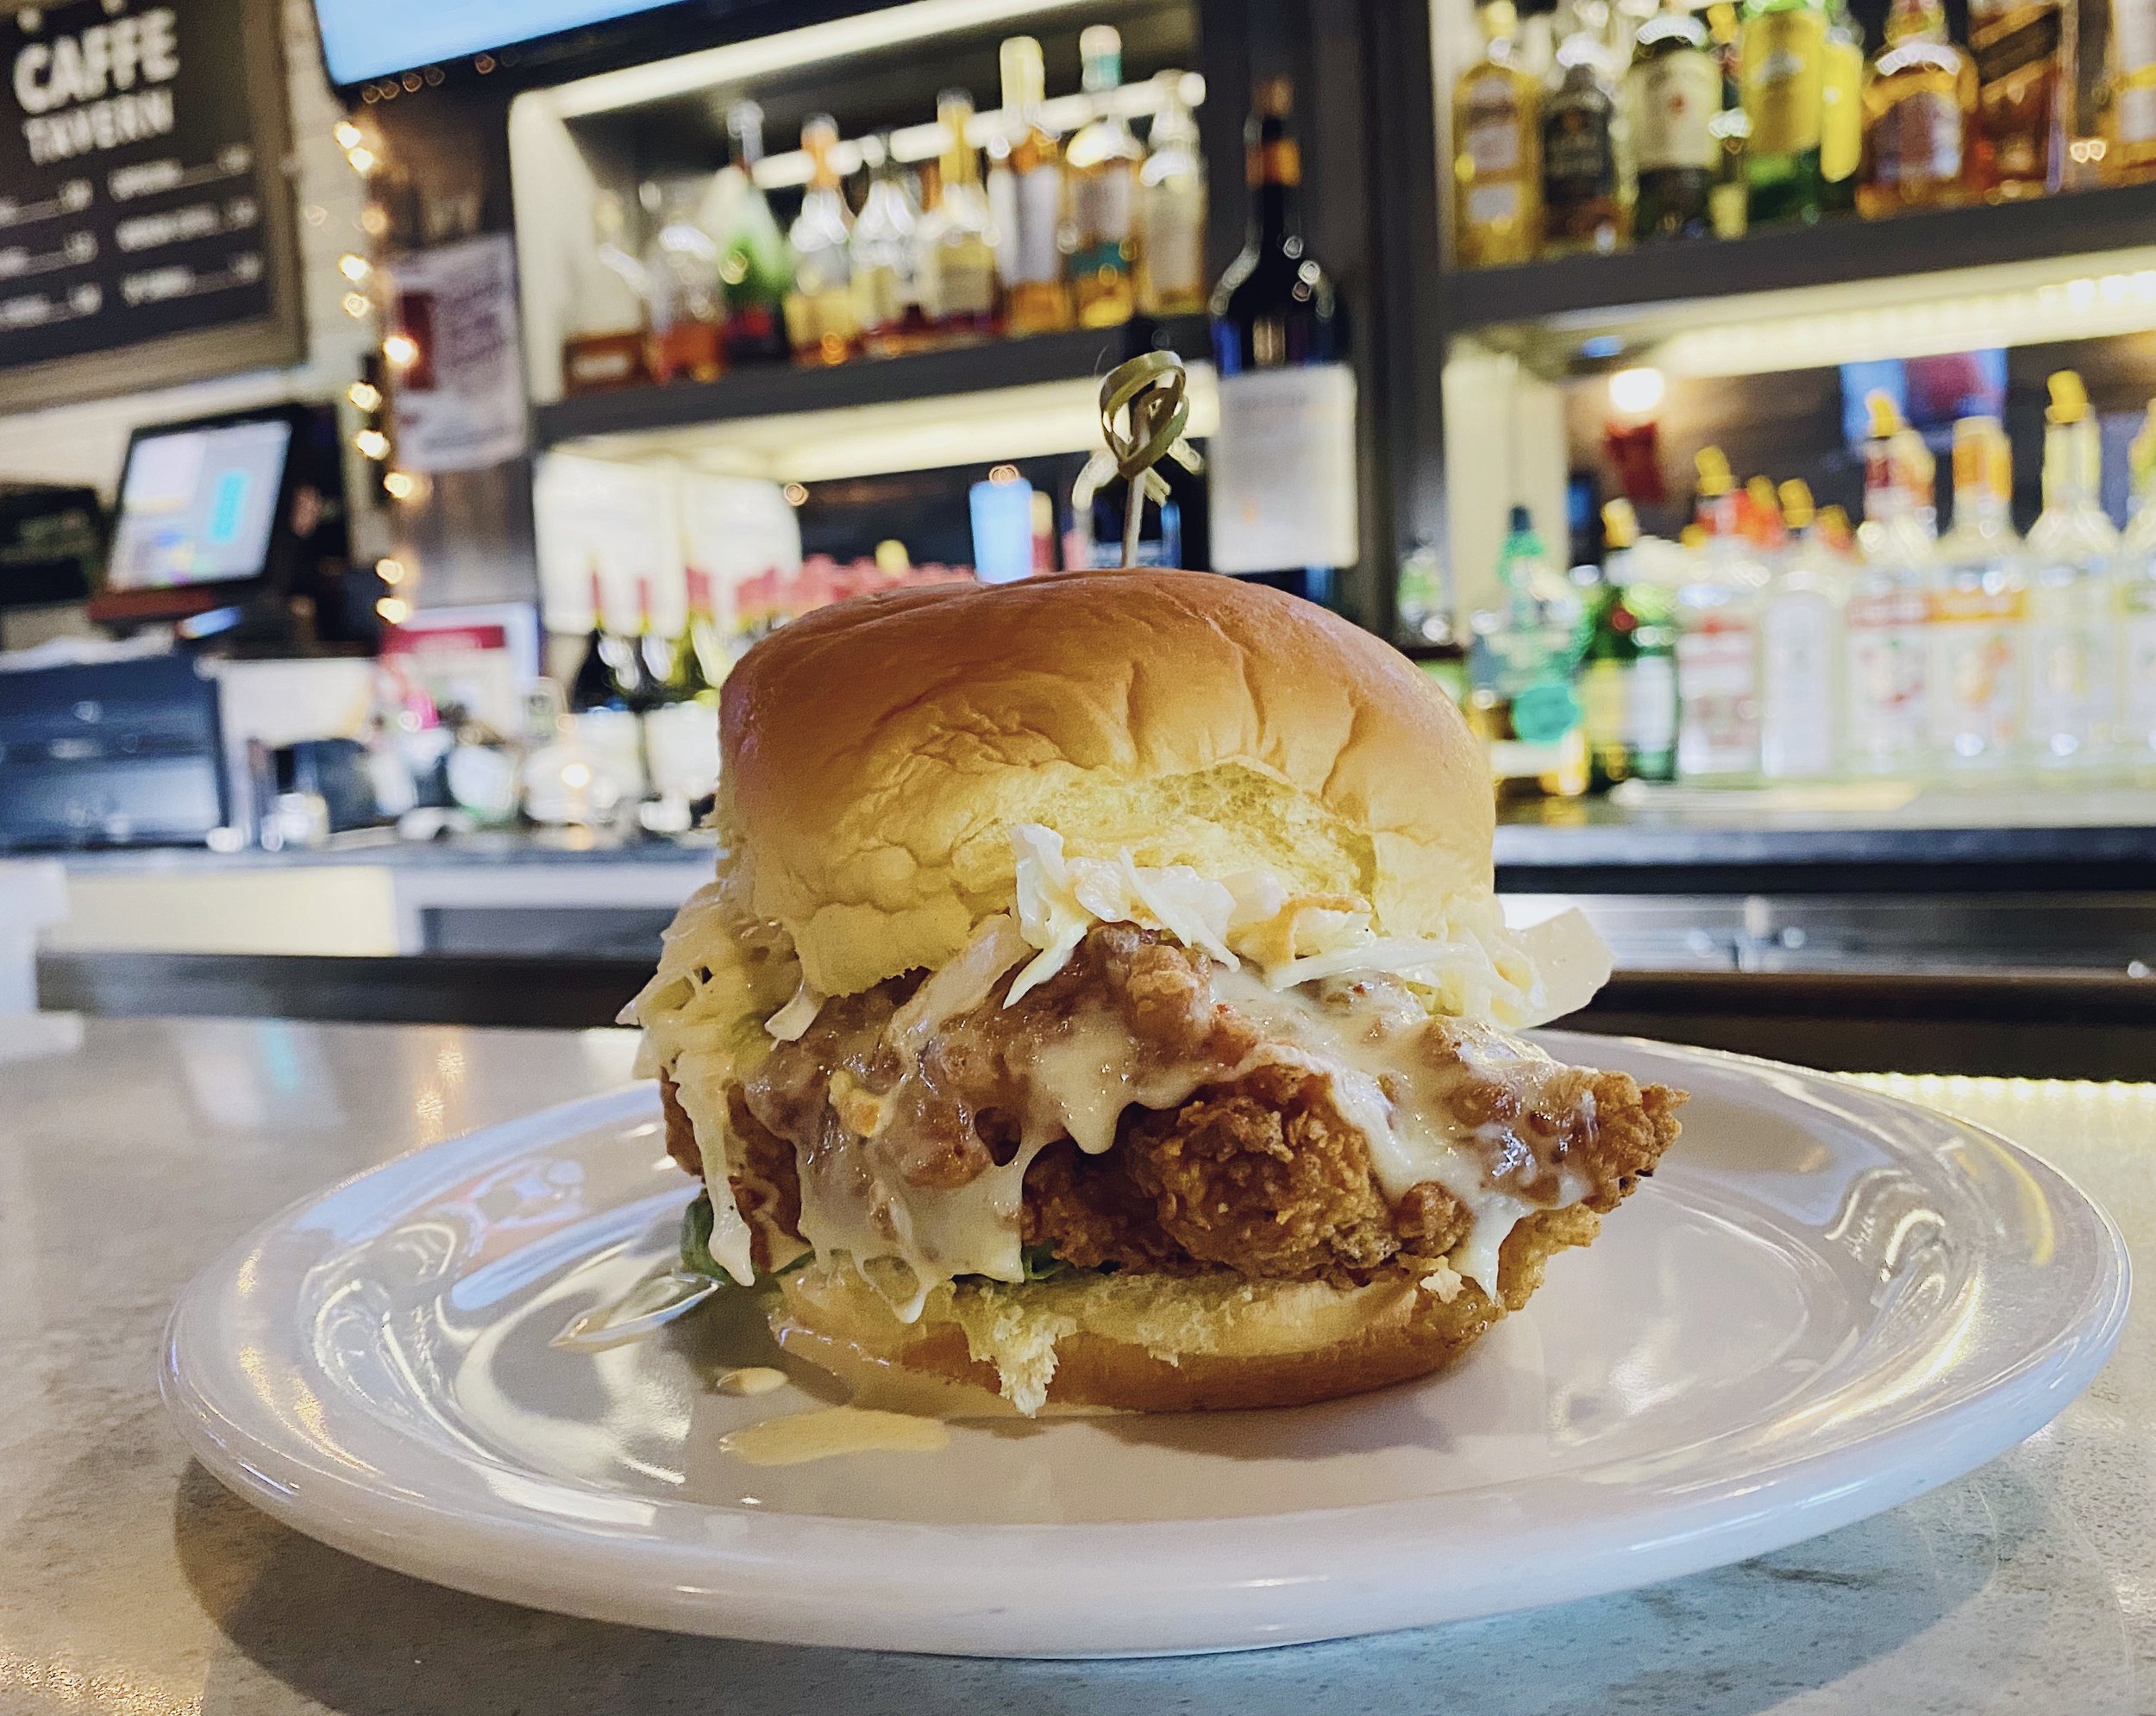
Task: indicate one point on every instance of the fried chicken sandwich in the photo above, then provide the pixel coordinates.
(1102, 999)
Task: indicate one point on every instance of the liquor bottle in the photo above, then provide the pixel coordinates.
(1283, 461)
(1520, 664)
(607, 347)
(1674, 92)
(1103, 161)
(1841, 123)
(686, 305)
(1717, 612)
(1920, 115)
(1609, 663)
(883, 256)
(1886, 717)
(1651, 696)
(958, 237)
(1037, 296)
(754, 264)
(2023, 86)
(1979, 610)
(1783, 63)
(1496, 146)
(2072, 649)
(1581, 194)
(1800, 639)
(2134, 580)
(2132, 151)
(819, 311)
(1171, 191)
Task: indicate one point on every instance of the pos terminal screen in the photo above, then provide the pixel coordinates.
(198, 505)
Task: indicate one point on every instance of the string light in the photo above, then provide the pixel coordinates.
(401, 349)
(394, 609)
(390, 572)
(365, 396)
(348, 135)
(356, 305)
(371, 443)
(401, 484)
(353, 266)
(360, 158)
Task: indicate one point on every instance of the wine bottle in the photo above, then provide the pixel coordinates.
(1283, 461)
(593, 685)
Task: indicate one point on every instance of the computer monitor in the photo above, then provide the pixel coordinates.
(204, 518)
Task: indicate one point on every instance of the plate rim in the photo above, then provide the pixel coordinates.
(1359, 1561)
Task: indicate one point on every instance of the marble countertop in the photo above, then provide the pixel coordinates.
(130, 1583)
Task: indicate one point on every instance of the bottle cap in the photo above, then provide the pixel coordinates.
(1797, 503)
(1621, 524)
(1714, 478)
(2069, 398)
(1520, 520)
(1885, 415)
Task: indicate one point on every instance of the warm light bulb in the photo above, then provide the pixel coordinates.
(348, 135)
(394, 609)
(390, 571)
(400, 485)
(365, 396)
(372, 444)
(577, 776)
(353, 266)
(361, 159)
(401, 349)
(1636, 392)
(795, 495)
(357, 304)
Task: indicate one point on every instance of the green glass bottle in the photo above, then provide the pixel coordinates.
(1782, 65)
(1673, 92)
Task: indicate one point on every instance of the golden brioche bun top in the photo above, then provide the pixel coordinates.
(876, 755)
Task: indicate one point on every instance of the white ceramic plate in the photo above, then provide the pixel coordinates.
(1826, 1302)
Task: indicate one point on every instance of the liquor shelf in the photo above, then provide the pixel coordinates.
(780, 390)
(1568, 300)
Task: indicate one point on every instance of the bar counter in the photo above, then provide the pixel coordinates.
(131, 1582)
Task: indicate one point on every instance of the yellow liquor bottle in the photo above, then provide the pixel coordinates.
(1920, 115)
(1497, 150)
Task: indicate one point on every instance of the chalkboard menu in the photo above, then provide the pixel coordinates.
(145, 221)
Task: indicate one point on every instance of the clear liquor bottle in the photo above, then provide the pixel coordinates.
(2071, 546)
(1582, 193)
(1920, 115)
(1800, 659)
(1717, 613)
(1781, 71)
(1171, 188)
(1037, 294)
(1496, 149)
(687, 304)
(1673, 92)
(1979, 623)
(1103, 160)
(820, 318)
(883, 254)
(606, 346)
(958, 236)
(1886, 717)
(2135, 586)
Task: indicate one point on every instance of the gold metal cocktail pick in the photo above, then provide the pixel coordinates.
(1143, 413)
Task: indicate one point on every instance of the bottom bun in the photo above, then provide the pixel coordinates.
(1084, 1340)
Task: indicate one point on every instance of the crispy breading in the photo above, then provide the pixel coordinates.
(1257, 1171)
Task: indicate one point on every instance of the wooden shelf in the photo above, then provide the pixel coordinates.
(1836, 253)
(781, 390)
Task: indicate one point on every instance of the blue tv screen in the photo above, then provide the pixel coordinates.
(365, 38)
